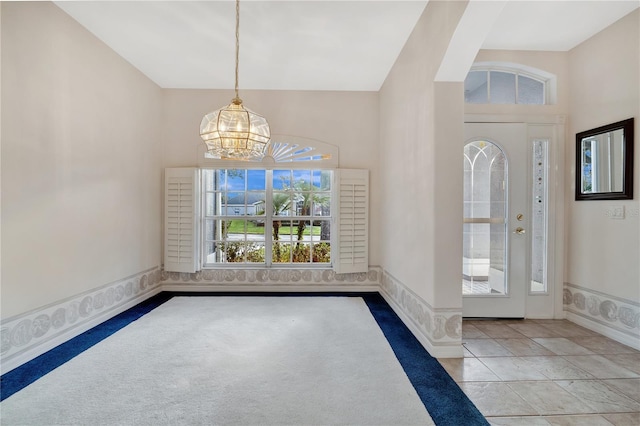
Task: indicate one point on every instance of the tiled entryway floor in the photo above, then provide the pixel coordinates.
(547, 372)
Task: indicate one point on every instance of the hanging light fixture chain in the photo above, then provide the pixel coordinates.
(237, 98)
(234, 132)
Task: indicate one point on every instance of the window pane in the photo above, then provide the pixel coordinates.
(218, 208)
(209, 203)
(210, 252)
(234, 203)
(215, 252)
(321, 204)
(475, 88)
(281, 252)
(322, 179)
(241, 251)
(255, 252)
(300, 230)
(234, 251)
(282, 203)
(302, 203)
(322, 252)
(209, 230)
(530, 91)
(301, 253)
(235, 229)
(221, 179)
(282, 230)
(255, 231)
(539, 218)
(209, 179)
(235, 180)
(221, 229)
(281, 179)
(255, 203)
(502, 88)
(256, 180)
(321, 230)
(302, 178)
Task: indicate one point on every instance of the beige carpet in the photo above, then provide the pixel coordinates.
(233, 361)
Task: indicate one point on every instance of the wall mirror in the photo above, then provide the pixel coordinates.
(604, 162)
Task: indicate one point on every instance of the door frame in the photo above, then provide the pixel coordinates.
(552, 127)
(510, 139)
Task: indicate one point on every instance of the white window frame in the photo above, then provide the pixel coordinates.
(349, 198)
(548, 80)
(268, 219)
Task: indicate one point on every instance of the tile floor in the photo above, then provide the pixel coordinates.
(547, 372)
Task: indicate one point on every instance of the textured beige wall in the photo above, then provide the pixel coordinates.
(603, 254)
(420, 163)
(81, 161)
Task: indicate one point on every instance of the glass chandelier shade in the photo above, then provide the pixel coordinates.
(235, 132)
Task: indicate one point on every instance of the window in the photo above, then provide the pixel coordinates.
(498, 83)
(539, 217)
(296, 209)
(265, 217)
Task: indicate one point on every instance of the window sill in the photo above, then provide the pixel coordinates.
(265, 267)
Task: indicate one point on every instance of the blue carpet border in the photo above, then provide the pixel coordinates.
(22, 376)
(447, 404)
(442, 397)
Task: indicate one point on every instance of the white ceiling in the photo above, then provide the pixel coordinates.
(310, 45)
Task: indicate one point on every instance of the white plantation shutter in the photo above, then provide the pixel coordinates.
(181, 236)
(350, 245)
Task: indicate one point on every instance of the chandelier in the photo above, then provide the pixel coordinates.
(235, 132)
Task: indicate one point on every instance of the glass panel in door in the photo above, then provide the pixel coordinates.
(484, 227)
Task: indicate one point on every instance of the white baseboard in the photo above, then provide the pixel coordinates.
(271, 288)
(611, 316)
(609, 332)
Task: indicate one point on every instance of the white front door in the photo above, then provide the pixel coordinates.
(496, 220)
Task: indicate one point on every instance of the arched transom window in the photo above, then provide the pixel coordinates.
(503, 83)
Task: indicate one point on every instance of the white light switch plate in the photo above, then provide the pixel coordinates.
(615, 212)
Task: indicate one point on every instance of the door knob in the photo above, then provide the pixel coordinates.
(519, 230)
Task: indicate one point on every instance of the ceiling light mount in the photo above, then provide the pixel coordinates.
(234, 132)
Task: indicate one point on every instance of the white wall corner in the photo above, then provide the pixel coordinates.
(26, 336)
(438, 330)
(470, 33)
(611, 316)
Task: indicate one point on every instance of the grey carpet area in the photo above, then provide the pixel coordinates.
(231, 361)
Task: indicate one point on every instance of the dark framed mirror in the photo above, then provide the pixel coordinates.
(604, 162)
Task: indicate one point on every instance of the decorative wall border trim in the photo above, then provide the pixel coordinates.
(25, 336)
(612, 316)
(270, 279)
(28, 335)
(439, 330)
